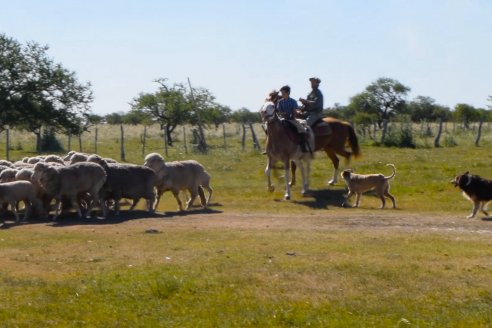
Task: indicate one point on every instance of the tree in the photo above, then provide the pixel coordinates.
(385, 97)
(423, 108)
(216, 115)
(36, 91)
(244, 115)
(466, 114)
(137, 116)
(114, 118)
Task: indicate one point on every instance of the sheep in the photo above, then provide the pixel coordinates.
(22, 165)
(127, 181)
(34, 160)
(176, 176)
(110, 160)
(54, 159)
(75, 157)
(8, 175)
(70, 181)
(24, 174)
(4, 162)
(16, 191)
(2, 167)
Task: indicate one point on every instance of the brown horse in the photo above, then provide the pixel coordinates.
(334, 144)
(279, 147)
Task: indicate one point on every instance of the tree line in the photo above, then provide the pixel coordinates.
(38, 93)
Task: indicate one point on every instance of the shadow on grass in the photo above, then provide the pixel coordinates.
(323, 198)
(71, 219)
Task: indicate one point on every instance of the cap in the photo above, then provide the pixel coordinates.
(316, 79)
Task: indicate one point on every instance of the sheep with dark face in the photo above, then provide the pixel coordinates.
(176, 176)
(127, 181)
(71, 181)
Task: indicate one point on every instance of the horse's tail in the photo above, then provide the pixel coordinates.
(353, 141)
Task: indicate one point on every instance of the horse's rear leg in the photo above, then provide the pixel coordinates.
(336, 162)
(268, 173)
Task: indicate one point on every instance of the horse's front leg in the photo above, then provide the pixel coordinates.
(293, 172)
(308, 173)
(287, 195)
(303, 176)
(268, 173)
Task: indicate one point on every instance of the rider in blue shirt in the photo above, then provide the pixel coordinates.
(286, 108)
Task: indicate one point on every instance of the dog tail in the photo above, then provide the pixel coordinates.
(394, 172)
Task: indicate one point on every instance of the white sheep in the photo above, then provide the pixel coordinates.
(16, 191)
(176, 176)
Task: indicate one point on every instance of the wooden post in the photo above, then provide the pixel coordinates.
(224, 133)
(438, 135)
(122, 143)
(479, 133)
(144, 140)
(95, 141)
(243, 140)
(256, 144)
(69, 146)
(7, 144)
(80, 141)
(165, 141)
(184, 140)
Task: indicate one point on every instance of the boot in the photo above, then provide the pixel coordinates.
(303, 143)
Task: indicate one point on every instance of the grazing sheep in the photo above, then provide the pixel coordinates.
(4, 162)
(127, 181)
(78, 158)
(24, 174)
(8, 175)
(2, 167)
(16, 191)
(71, 181)
(176, 176)
(54, 159)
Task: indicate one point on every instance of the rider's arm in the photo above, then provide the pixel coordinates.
(316, 103)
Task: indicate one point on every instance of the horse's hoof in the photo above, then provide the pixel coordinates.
(287, 197)
(305, 192)
(331, 182)
(271, 188)
(292, 183)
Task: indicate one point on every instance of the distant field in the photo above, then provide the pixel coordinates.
(256, 260)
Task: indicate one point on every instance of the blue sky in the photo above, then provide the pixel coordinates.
(240, 50)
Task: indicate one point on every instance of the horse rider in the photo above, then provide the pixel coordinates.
(313, 104)
(286, 108)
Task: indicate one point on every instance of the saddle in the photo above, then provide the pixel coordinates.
(291, 130)
(321, 128)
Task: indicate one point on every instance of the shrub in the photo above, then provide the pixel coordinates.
(400, 135)
(49, 141)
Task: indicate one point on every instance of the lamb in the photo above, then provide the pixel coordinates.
(127, 181)
(70, 181)
(176, 176)
(16, 191)
(8, 175)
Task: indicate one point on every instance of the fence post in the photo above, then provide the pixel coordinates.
(438, 135)
(69, 140)
(243, 140)
(256, 144)
(80, 141)
(144, 140)
(7, 144)
(184, 140)
(479, 133)
(165, 141)
(122, 143)
(224, 133)
(95, 141)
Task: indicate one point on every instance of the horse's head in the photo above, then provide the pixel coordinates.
(267, 111)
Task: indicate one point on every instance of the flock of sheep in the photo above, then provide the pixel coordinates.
(82, 181)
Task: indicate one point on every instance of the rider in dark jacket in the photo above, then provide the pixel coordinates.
(313, 104)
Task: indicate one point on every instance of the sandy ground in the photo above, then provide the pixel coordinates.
(340, 219)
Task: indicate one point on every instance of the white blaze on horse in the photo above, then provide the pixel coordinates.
(283, 144)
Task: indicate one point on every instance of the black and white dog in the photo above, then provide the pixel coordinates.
(478, 190)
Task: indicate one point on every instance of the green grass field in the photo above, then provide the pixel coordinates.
(256, 260)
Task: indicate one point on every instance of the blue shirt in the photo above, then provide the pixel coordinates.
(287, 108)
